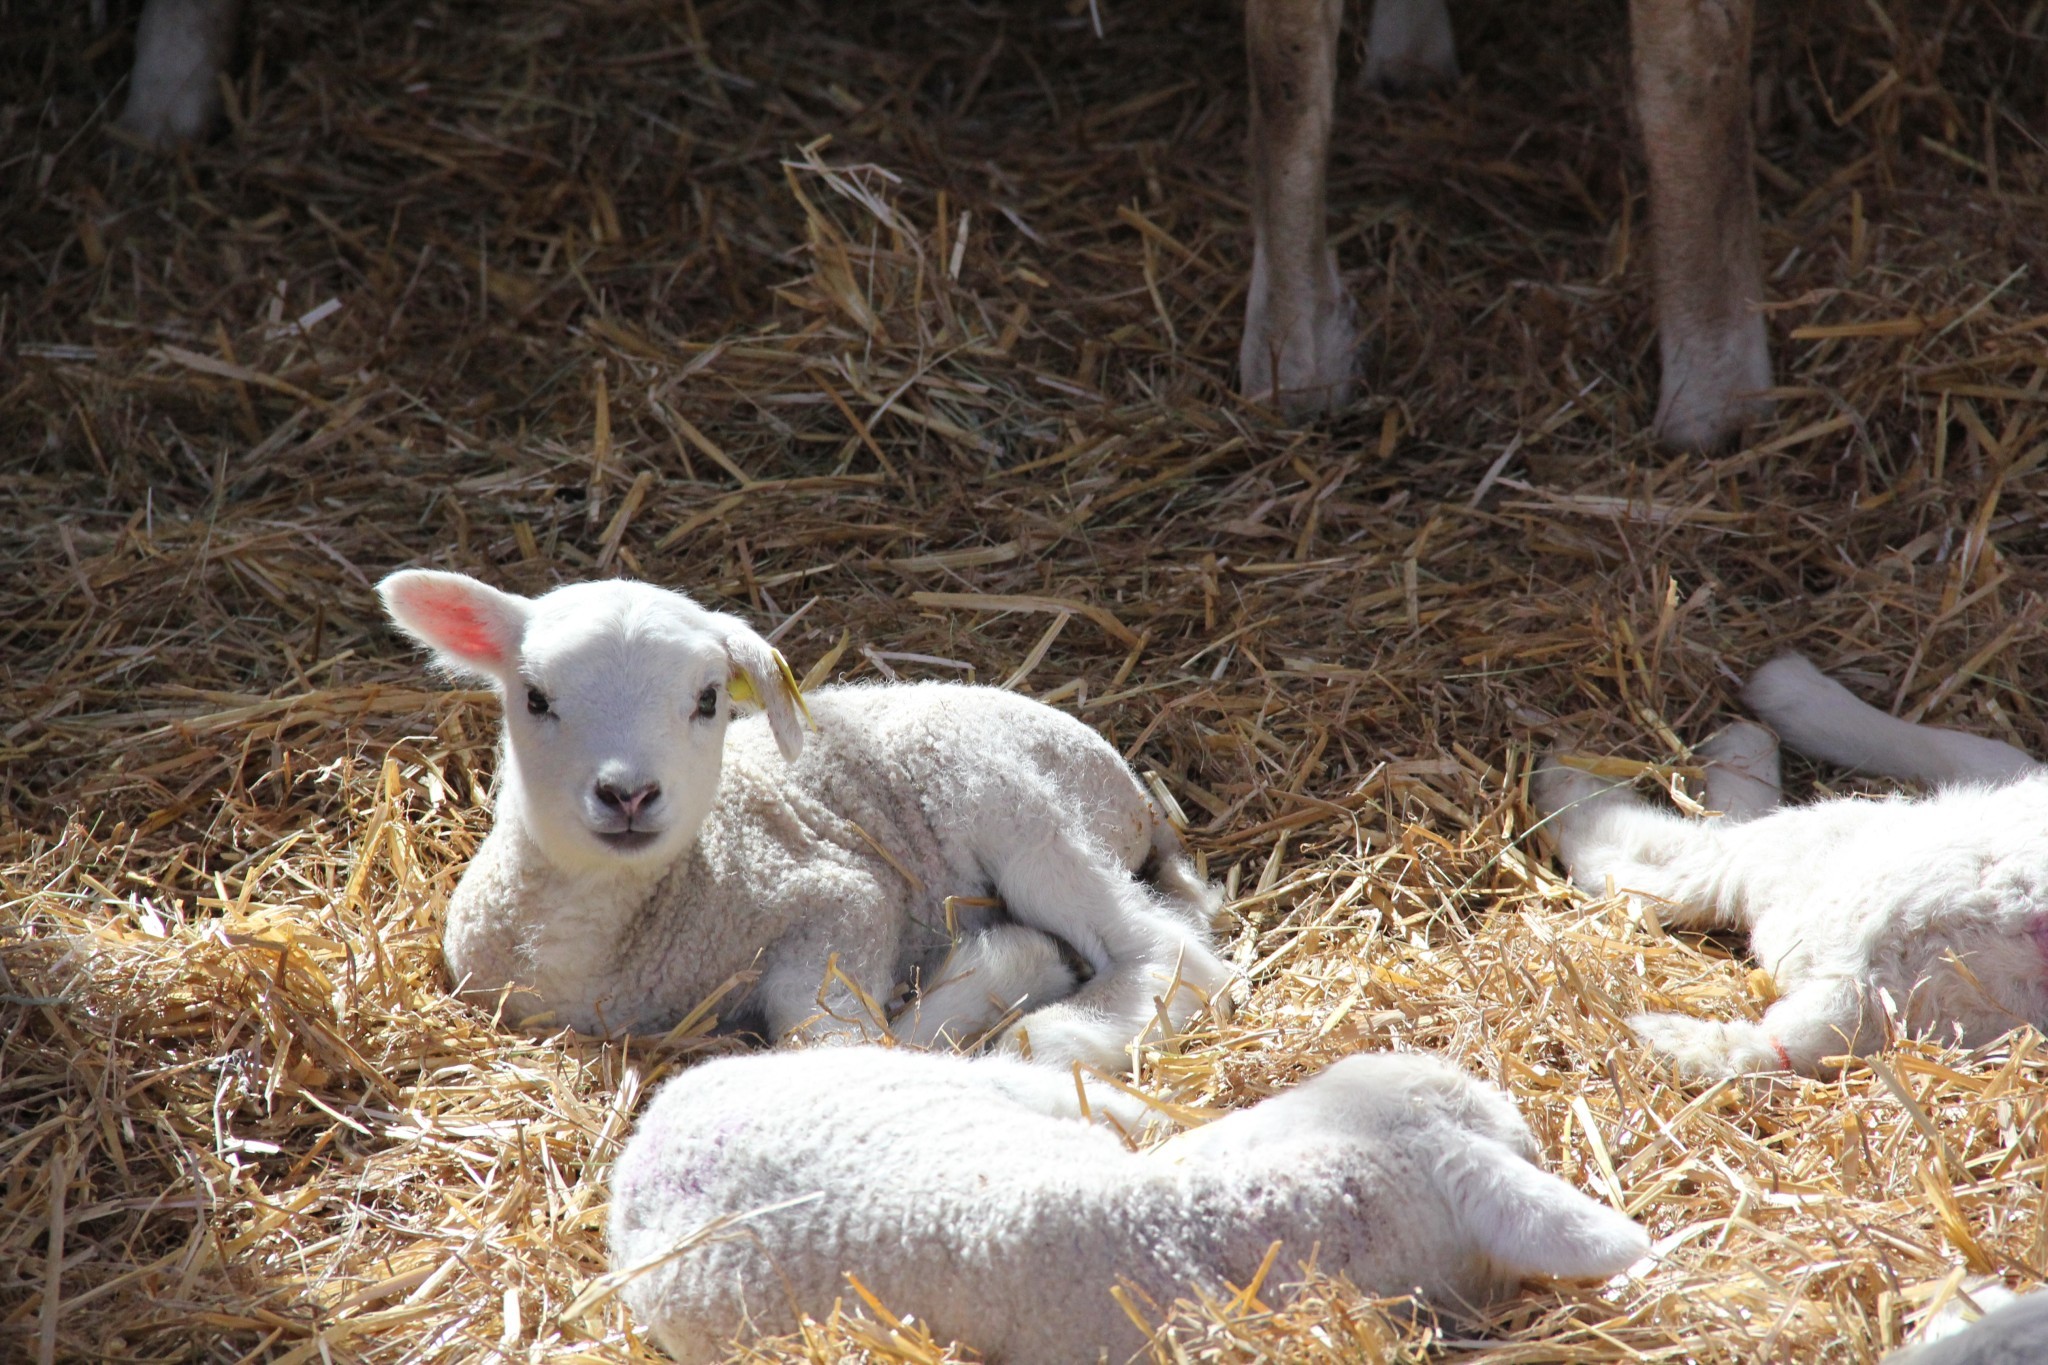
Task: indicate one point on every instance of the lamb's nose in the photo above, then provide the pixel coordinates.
(627, 803)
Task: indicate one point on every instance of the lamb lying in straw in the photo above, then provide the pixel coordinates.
(964, 1191)
(650, 848)
(1926, 913)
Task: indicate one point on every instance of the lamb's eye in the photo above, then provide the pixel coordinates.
(536, 702)
(707, 703)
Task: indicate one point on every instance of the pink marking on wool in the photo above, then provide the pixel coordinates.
(1784, 1057)
(2038, 931)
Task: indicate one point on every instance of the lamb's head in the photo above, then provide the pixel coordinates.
(616, 699)
(1463, 1143)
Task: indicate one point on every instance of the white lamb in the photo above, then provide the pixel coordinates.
(1928, 914)
(962, 1191)
(649, 847)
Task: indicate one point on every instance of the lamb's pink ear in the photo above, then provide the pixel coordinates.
(471, 626)
(1530, 1222)
(761, 675)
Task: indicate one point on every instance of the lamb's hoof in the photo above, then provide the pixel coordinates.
(1742, 770)
(1715, 382)
(1305, 370)
(1409, 48)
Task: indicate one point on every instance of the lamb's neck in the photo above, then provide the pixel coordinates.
(557, 933)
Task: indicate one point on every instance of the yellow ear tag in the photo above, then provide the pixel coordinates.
(795, 690)
(741, 688)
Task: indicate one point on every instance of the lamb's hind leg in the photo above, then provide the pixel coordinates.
(988, 977)
(1299, 335)
(1143, 952)
(1604, 834)
(1743, 771)
(1692, 93)
(1826, 1018)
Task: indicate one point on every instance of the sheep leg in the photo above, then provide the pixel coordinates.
(1816, 1019)
(1823, 719)
(1299, 334)
(1742, 777)
(1604, 833)
(1143, 953)
(824, 994)
(988, 977)
(1410, 46)
(1691, 62)
(180, 48)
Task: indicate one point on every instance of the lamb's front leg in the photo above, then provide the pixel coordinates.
(1830, 1017)
(1299, 333)
(180, 48)
(1691, 62)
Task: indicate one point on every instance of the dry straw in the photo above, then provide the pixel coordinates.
(905, 329)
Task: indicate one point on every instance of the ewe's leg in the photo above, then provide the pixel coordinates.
(1142, 952)
(1692, 95)
(1817, 1019)
(1298, 330)
(1410, 46)
(180, 48)
(989, 975)
(1742, 771)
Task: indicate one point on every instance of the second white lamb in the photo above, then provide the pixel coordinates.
(963, 1191)
(1927, 915)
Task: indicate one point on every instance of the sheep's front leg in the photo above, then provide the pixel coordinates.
(180, 48)
(1299, 334)
(1826, 1018)
(1692, 95)
(1410, 46)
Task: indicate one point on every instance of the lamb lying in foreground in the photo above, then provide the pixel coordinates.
(649, 847)
(1926, 913)
(962, 1190)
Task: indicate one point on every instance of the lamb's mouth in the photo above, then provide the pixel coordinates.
(628, 840)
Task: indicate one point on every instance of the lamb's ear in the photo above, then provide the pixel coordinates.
(761, 675)
(1530, 1222)
(471, 627)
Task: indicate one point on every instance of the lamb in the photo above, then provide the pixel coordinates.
(650, 848)
(963, 1191)
(1927, 913)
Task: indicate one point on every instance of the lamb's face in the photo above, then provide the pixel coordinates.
(615, 723)
(616, 696)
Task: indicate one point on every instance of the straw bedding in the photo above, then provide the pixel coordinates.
(905, 329)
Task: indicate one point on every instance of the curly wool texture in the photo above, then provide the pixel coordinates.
(967, 1192)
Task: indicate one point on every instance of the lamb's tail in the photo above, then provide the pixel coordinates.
(1818, 717)
(1170, 872)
